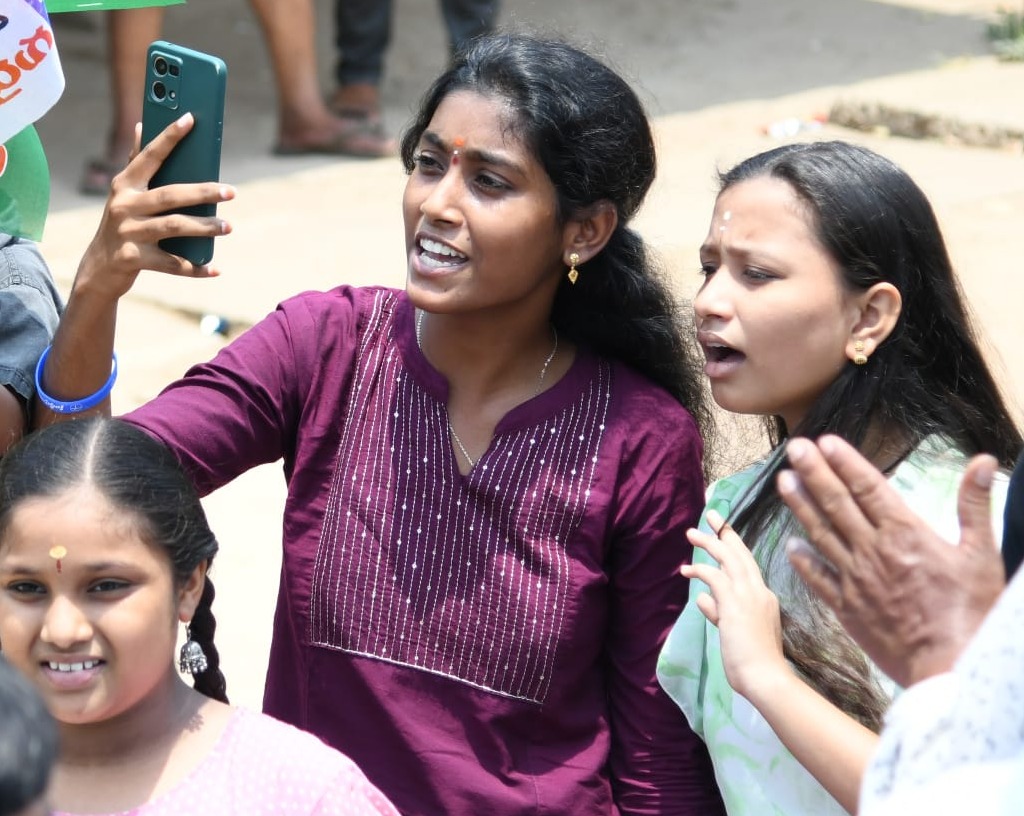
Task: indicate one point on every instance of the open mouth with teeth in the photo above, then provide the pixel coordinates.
(72, 667)
(718, 353)
(437, 255)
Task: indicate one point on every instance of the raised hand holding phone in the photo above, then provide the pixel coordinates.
(135, 222)
(181, 80)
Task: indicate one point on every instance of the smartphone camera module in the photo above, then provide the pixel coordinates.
(164, 79)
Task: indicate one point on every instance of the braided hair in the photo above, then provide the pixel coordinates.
(139, 477)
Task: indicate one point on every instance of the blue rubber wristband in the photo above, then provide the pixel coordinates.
(72, 406)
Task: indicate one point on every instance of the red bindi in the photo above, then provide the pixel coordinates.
(457, 145)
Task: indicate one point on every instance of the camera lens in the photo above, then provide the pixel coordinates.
(159, 90)
(160, 66)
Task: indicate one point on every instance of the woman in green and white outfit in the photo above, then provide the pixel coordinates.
(829, 306)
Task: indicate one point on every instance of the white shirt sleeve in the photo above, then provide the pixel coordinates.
(955, 743)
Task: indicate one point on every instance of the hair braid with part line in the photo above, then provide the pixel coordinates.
(139, 477)
(589, 131)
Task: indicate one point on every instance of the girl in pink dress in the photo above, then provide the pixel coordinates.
(104, 550)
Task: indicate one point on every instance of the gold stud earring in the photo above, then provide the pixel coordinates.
(574, 273)
(859, 357)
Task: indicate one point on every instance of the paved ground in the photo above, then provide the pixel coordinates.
(713, 72)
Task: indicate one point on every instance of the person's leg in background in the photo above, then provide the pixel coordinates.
(362, 35)
(129, 33)
(362, 30)
(305, 124)
(467, 19)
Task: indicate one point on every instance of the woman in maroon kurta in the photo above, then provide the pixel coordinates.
(489, 474)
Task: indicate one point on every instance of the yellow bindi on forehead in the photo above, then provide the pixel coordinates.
(57, 553)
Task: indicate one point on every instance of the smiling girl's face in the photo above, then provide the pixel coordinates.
(96, 635)
(773, 315)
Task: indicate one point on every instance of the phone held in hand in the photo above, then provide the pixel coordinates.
(180, 80)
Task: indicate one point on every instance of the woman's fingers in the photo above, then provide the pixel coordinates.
(709, 574)
(708, 607)
(127, 201)
(145, 161)
(169, 264)
(131, 244)
(179, 225)
(178, 196)
(736, 569)
(142, 238)
(716, 581)
(148, 217)
(734, 555)
(130, 194)
(745, 611)
(137, 219)
(706, 541)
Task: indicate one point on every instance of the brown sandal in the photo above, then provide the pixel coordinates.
(361, 139)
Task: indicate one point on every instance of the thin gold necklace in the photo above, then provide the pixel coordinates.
(540, 381)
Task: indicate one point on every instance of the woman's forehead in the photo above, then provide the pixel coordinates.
(475, 114)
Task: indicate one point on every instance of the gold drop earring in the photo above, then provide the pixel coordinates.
(859, 357)
(574, 273)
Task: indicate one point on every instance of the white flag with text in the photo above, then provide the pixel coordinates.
(31, 79)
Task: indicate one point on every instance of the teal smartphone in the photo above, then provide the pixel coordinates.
(180, 80)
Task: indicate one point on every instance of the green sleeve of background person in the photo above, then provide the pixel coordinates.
(53, 6)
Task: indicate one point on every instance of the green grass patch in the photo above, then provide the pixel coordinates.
(1006, 34)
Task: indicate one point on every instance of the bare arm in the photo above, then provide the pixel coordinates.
(832, 746)
(908, 597)
(125, 243)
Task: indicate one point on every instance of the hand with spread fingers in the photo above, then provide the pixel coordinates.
(745, 611)
(831, 745)
(136, 218)
(911, 599)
